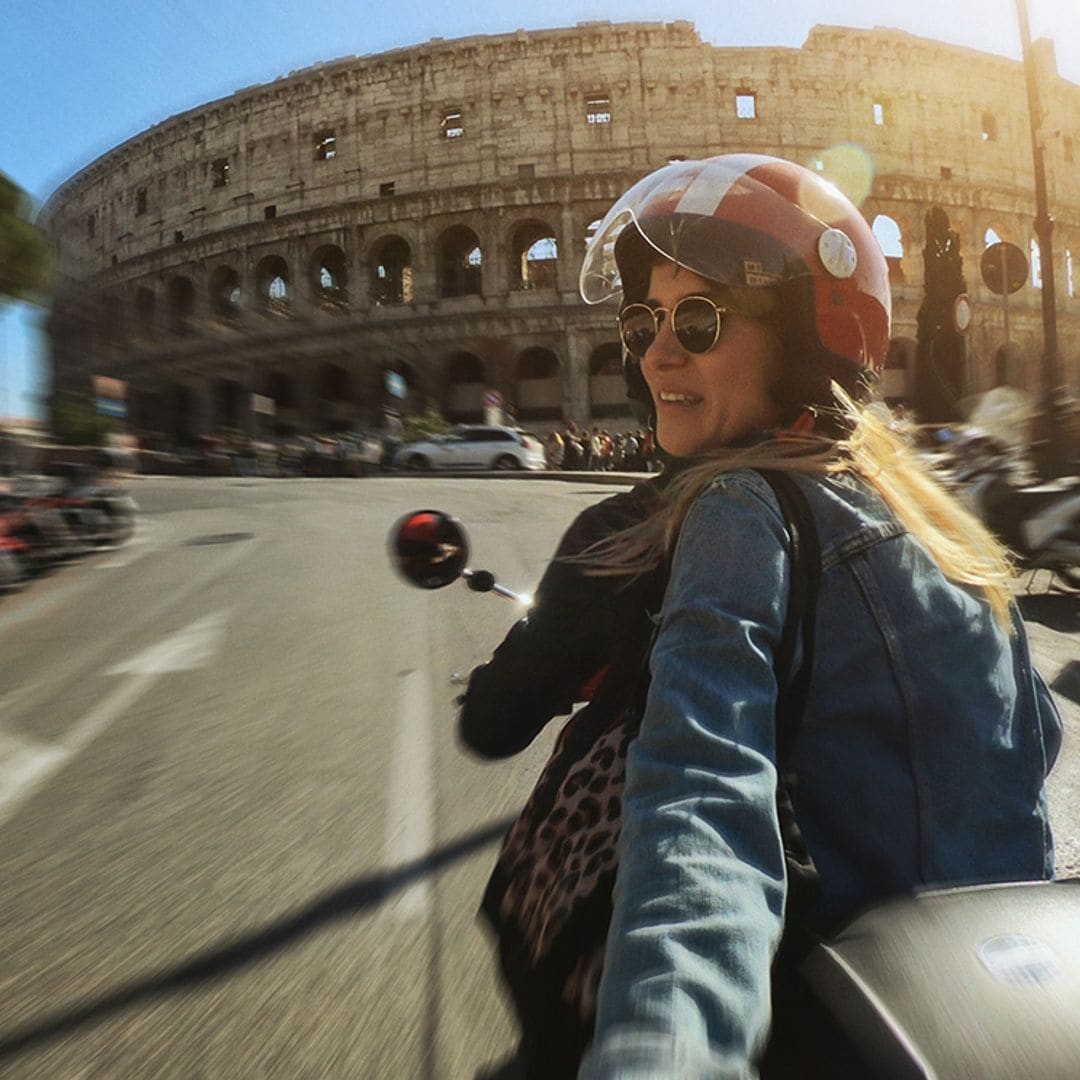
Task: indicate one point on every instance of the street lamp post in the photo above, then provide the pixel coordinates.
(1044, 230)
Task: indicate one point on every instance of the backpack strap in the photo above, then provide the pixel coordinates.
(801, 616)
(804, 883)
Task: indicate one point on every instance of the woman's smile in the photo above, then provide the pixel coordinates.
(706, 400)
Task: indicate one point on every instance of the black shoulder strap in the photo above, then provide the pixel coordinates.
(801, 616)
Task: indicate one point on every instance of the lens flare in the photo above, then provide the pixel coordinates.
(847, 168)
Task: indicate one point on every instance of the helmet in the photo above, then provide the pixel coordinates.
(773, 234)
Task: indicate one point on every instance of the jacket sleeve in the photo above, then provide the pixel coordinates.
(546, 659)
(701, 886)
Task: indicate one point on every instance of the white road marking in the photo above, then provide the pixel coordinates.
(24, 766)
(409, 814)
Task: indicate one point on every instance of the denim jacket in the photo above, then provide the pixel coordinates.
(921, 760)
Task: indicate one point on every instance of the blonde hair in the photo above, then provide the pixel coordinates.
(877, 449)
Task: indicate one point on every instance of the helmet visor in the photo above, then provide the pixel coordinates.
(739, 220)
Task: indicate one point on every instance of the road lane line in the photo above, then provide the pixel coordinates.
(409, 831)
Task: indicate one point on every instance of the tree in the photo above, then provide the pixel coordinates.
(939, 370)
(24, 253)
(428, 422)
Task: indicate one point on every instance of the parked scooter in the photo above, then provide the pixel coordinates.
(950, 983)
(1041, 524)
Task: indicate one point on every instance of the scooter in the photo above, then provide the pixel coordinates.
(1040, 525)
(980, 981)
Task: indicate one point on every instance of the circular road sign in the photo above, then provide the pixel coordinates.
(492, 399)
(995, 259)
(961, 313)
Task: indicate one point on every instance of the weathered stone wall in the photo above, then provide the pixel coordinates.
(242, 246)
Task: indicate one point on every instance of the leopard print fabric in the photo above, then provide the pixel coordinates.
(554, 860)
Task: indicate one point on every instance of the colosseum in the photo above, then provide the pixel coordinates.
(270, 260)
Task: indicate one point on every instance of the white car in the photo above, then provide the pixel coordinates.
(474, 446)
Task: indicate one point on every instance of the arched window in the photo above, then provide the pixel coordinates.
(282, 388)
(888, 236)
(144, 309)
(534, 254)
(225, 292)
(606, 359)
(391, 272)
(538, 388)
(181, 304)
(607, 388)
(991, 237)
(112, 311)
(463, 368)
(272, 283)
(537, 363)
(460, 261)
(329, 276)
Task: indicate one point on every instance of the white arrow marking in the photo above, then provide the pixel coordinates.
(408, 819)
(25, 765)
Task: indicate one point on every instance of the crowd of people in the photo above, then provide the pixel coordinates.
(599, 450)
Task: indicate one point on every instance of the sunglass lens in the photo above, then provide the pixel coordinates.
(697, 324)
(638, 328)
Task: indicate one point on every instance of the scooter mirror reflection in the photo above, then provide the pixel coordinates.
(428, 548)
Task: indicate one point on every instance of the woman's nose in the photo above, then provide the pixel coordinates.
(665, 350)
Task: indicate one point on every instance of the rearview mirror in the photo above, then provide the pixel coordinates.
(429, 548)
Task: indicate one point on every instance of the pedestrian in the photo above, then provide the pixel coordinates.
(596, 450)
(555, 450)
(652, 875)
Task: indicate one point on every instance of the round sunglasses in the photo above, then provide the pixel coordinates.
(696, 321)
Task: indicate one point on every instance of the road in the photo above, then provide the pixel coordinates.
(237, 836)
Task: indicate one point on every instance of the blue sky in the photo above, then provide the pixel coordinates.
(79, 76)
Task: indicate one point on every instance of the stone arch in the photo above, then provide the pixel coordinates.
(145, 304)
(607, 387)
(181, 295)
(890, 236)
(225, 293)
(112, 313)
(273, 283)
(335, 395)
(391, 272)
(230, 400)
(329, 276)
(180, 414)
(898, 377)
(282, 389)
(538, 384)
(460, 260)
(466, 378)
(534, 253)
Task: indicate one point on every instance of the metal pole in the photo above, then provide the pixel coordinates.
(1044, 229)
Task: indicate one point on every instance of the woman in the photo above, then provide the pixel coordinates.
(755, 305)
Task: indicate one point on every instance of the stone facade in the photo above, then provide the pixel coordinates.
(425, 211)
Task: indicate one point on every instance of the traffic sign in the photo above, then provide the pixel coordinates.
(1003, 262)
(961, 313)
(492, 399)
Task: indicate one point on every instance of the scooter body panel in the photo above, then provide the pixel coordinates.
(966, 982)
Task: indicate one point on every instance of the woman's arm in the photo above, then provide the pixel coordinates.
(571, 634)
(700, 890)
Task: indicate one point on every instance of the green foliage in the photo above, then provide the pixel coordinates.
(428, 422)
(75, 421)
(24, 253)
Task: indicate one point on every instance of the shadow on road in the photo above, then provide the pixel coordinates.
(349, 900)
(1058, 611)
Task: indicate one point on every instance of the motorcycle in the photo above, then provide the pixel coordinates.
(949, 983)
(1039, 524)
